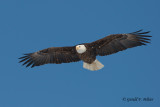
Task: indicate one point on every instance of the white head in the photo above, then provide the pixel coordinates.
(81, 49)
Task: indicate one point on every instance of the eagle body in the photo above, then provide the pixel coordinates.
(88, 56)
(87, 52)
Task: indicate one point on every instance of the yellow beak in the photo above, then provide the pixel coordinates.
(77, 48)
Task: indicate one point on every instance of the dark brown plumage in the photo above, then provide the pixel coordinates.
(88, 56)
(105, 46)
(56, 55)
(119, 42)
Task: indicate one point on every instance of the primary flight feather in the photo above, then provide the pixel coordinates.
(87, 52)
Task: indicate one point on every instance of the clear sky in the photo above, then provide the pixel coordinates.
(31, 25)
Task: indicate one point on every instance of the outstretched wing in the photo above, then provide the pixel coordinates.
(119, 42)
(50, 55)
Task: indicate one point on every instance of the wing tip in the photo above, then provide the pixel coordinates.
(27, 60)
(140, 32)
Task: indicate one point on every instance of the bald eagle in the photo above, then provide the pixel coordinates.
(87, 52)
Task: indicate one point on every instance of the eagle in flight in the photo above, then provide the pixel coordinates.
(87, 52)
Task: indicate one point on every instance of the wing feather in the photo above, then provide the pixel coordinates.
(56, 55)
(119, 42)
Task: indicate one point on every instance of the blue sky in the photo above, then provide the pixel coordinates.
(31, 25)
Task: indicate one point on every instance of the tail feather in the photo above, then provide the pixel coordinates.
(96, 65)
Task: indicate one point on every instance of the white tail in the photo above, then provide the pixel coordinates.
(96, 65)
